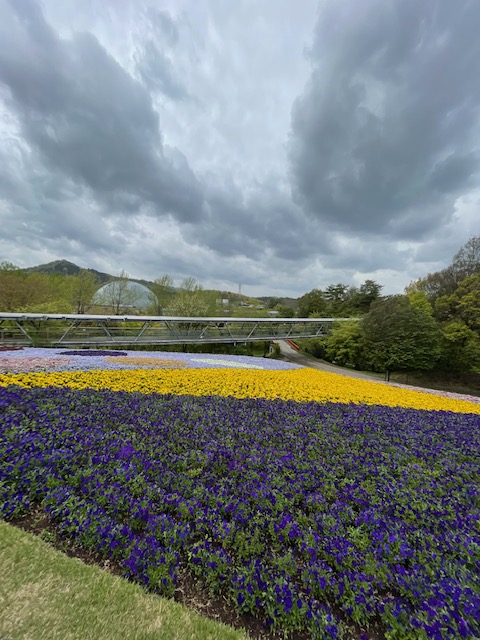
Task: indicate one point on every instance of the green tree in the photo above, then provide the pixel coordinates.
(313, 346)
(33, 292)
(284, 311)
(419, 299)
(468, 296)
(460, 347)
(367, 293)
(463, 303)
(272, 302)
(164, 289)
(344, 345)
(12, 283)
(400, 335)
(467, 261)
(311, 302)
(337, 297)
(57, 305)
(437, 284)
(80, 289)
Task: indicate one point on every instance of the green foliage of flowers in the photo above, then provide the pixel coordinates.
(315, 517)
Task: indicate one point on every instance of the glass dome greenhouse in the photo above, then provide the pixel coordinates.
(124, 296)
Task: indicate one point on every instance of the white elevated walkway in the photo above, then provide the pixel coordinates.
(61, 330)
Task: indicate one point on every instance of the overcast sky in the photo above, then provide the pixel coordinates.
(283, 145)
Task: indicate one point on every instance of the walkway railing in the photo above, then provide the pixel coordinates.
(68, 330)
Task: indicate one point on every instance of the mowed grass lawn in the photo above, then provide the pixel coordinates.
(323, 506)
(46, 595)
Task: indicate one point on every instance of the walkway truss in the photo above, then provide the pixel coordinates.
(55, 330)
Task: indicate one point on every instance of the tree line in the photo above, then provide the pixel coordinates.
(32, 292)
(435, 324)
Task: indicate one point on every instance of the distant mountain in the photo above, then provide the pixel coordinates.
(66, 268)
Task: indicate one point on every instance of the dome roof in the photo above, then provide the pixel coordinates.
(124, 295)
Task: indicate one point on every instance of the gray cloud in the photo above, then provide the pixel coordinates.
(158, 73)
(87, 117)
(162, 24)
(190, 138)
(385, 134)
(258, 223)
(155, 55)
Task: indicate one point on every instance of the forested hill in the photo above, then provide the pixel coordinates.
(66, 268)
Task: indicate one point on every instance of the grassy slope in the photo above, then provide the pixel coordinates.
(46, 595)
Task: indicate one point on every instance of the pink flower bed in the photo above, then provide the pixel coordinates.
(17, 365)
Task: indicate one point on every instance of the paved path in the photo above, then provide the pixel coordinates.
(292, 355)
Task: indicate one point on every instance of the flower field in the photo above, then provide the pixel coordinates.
(40, 359)
(323, 505)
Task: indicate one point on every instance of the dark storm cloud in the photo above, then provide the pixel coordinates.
(226, 224)
(256, 223)
(364, 256)
(457, 171)
(384, 137)
(87, 117)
